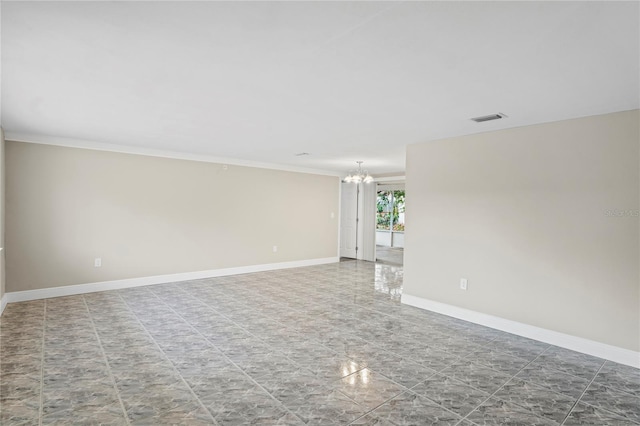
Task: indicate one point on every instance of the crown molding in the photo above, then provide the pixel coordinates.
(391, 179)
(150, 152)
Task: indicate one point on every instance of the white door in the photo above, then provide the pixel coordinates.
(348, 220)
(367, 223)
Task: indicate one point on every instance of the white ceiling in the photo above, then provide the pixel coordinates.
(344, 81)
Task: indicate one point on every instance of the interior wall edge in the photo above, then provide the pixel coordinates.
(578, 344)
(71, 290)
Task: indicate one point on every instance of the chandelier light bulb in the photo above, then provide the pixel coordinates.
(358, 176)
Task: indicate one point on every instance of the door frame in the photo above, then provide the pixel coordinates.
(366, 245)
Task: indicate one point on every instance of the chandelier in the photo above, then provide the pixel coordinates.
(357, 176)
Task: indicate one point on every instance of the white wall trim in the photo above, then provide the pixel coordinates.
(3, 300)
(399, 178)
(150, 152)
(339, 212)
(45, 293)
(590, 347)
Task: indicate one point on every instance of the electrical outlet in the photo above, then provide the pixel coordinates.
(97, 262)
(275, 249)
(463, 283)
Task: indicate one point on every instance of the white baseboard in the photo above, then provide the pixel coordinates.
(45, 293)
(590, 347)
(3, 303)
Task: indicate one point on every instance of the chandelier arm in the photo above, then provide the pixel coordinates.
(359, 175)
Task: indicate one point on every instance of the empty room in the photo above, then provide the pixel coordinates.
(320, 213)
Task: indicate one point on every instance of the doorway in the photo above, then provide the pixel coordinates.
(390, 211)
(357, 221)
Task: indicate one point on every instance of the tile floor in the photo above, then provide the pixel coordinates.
(390, 255)
(328, 344)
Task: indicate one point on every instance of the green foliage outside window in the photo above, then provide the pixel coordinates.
(390, 204)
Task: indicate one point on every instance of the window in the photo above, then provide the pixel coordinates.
(390, 205)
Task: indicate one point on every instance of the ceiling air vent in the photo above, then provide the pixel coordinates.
(488, 118)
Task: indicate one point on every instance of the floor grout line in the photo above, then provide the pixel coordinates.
(163, 352)
(44, 331)
(458, 358)
(404, 388)
(106, 361)
(502, 386)
(582, 394)
(335, 307)
(225, 356)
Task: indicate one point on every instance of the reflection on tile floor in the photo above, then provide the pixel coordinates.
(327, 344)
(390, 255)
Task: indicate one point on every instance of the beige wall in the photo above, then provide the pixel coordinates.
(2, 209)
(147, 216)
(525, 215)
